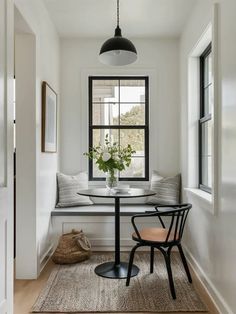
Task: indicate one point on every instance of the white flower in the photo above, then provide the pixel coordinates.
(106, 156)
(115, 156)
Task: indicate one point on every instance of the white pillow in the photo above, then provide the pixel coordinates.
(68, 186)
(167, 190)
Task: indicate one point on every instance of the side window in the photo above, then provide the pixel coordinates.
(205, 121)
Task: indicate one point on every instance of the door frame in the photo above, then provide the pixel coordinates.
(6, 189)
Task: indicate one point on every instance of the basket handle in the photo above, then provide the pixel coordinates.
(83, 242)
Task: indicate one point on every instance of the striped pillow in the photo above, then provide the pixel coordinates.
(68, 186)
(167, 190)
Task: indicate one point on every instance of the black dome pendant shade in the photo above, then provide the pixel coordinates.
(118, 50)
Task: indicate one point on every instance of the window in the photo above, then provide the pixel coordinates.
(205, 121)
(118, 106)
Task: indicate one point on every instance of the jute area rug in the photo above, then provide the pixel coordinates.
(77, 289)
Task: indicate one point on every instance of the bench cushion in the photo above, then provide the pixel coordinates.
(102, 210)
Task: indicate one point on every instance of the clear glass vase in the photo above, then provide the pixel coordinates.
(112, 179)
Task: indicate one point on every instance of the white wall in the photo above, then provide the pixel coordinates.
(210, 238)
(25, 72)
(157, 58)
(43, 186)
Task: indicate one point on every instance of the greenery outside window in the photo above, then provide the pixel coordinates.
(118, 106)
(205, 121)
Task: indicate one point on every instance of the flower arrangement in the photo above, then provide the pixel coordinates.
(110, 158)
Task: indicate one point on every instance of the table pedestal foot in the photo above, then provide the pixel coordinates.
(110, 270)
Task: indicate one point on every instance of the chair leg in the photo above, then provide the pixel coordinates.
(185, 263)
(151, 259)
(169, 272)
(131, 258)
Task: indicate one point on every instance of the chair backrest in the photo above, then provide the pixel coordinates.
(175, 217)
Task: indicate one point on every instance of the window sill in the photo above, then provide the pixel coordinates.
(133, 184)
(200, 198)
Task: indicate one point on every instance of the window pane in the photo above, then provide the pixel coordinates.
(206, 79)
(132, 91)
(208, 70)
(206, 138)
(132, 114)
(208, 100)
(100, 134)
(207, 171)
(105, 114)
(207, 153)
(134, 137)
(105, 91)
(136, 169)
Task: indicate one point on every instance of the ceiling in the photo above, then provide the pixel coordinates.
(138, 18)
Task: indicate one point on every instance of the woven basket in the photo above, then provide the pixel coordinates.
(72, 248)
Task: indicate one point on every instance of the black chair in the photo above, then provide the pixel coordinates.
(163, 238)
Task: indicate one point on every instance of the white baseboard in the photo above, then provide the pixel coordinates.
(45, 258)
(3, 306)
(214, 294)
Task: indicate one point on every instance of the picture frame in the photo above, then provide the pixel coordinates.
(49, 119)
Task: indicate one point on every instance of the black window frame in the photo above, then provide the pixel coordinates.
(144, 127)
(203, 116)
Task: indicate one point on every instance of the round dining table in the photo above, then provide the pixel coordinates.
(116, 269)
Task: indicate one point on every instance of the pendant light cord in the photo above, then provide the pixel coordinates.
(118, 30)
(118, 12)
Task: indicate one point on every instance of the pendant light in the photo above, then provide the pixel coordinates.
(118, 50)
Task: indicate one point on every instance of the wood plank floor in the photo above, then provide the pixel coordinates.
(27, 291)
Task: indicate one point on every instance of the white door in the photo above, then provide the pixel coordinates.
(6, 156)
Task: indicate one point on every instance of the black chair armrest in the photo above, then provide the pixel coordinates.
(170, 207)
(170, 210)
(165, 206)
(154, 213)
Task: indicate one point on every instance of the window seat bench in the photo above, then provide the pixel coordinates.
(102, 210)
(97, 222)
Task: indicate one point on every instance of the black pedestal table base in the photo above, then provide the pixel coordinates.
(116, 269)
(113, 271)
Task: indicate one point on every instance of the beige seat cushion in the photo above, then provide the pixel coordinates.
(154, 235)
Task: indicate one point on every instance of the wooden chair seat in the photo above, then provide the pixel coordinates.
(154, 235)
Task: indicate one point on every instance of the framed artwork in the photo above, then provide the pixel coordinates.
(49, 119)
